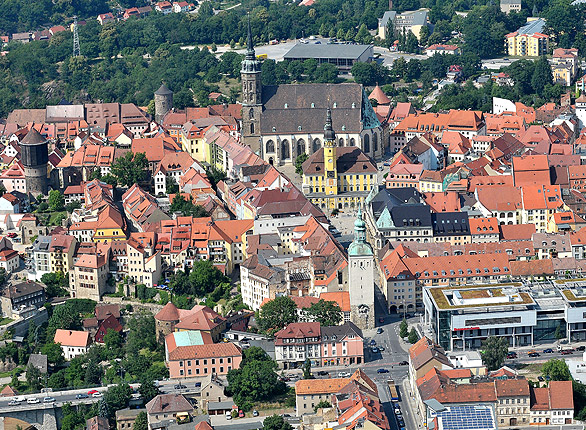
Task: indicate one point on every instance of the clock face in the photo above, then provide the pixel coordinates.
(330, 160)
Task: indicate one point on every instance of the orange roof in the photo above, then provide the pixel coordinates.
(378, 95)
(560, 395)
(342, 298)
(320, 386)
(72, 338)
(483, 226)
(214, 350)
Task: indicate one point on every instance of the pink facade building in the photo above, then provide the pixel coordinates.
(341, 345)
(201, 360)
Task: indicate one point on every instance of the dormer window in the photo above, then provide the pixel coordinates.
(335, 105)
(274, 129)
(299, 128)
(286, 106)
(312, 105)
(353, 105)
(343, 128)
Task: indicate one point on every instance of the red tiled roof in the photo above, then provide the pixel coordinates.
(214, 350)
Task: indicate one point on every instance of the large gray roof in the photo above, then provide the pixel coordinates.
(65, 112)
(327, 51)
(288, 107)
(33, 137)
(163, 90)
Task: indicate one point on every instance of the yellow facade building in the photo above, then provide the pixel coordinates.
(529, 40)
(338, 177)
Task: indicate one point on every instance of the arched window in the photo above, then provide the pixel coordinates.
(366, 143)
(316, 144)
(341, 142)
(251, 113)
(352, 142)
(375, 142)
(252, 128)
(285, 152)
(300, 147)
(270, 146)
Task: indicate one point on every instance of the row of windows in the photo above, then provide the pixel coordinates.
(205, 361)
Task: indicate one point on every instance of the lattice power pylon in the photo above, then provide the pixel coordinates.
(76, 51)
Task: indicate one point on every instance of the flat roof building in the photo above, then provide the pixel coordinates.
(342, 56)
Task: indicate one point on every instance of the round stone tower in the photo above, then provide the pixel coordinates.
(34, 154)
(163, 102)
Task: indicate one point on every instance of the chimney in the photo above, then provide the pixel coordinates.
(390, 4)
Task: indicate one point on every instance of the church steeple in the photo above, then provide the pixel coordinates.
(359, 246)
(329, 135)
(249, 46)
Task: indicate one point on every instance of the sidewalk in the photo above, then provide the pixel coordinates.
(409, 400)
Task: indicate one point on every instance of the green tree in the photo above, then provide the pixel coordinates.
(424, 35)
(326, 73)
(299, 163)
(113, 343)
(141, 333)
(558, 333)
(56, 201)
(187, 207)
(171, 186)
(103, 408)
(255, 380)
(117, 397)
(494, 352)
(307, 369)
(56, 283)
(403, 329)
(33, 377)
(141, 422)
(276, 314)
(54, 353)
(322, 404)
(327, 313)
(556, 370)
(64, 317)
(215, 175)
(363, 36)
(542, 75)
(148, 390)
(93, 373)
(413, 336)
(276, 422)
(130, 169)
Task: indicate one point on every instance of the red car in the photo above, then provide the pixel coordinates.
(240, 413)
(90, 392)
(11, 235)
(567, 352)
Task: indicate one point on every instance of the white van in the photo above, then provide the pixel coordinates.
(228, 415)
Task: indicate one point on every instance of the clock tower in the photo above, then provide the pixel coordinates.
(361, 277)
(330, 165)
(251, 95)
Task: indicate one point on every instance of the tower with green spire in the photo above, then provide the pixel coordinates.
(251, 95)
(361, 277)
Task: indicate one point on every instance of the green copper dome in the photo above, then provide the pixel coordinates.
(359, 246)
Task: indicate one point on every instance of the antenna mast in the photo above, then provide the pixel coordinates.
(76, 51)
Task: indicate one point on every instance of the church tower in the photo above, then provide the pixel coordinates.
(361, 277)
(330, 165)
(251, 96)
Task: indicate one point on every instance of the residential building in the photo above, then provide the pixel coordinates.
(341, 345)
(194, 360)
(172, 167)
(508, 6)
(110, 323)
(529, 40)
(165, 409)
(106, 18)
(144, 263)
(403, 175)
(22, 299)
(297, 343)
(553, 404)
(564, 65)
(200, 318)
(89, 277)
(484, 230)
(441, 50)
(125, 418)
(73, 343)
(412, 21)
(309, 392)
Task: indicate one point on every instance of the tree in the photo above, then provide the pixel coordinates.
(495, 351)
(424, 35)
(558, 333)
(64, 317)
(322, 404)
(187, 208)
(327, 313)
(56, 283)
(215, 175)
(33, 377)
(141, 333)
(363, 36)
(299, 163)
(276, 422)
(113, 343)
(403, 329)
(556, 370)
(307, 369)
(542, 75)
(93, 373)
(255, 380)
(148, 390)
(117, 397)
(141, 422)
(54, 353)
(171, 186)
(56, 201)
(326, 73)
(130, 169)
(413, 336)
(277, 314)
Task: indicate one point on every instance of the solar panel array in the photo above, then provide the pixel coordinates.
(466, 418)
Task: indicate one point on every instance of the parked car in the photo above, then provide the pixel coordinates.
(344, 374)
(323, 373)
(90, 392)
(533, 354)
(381, 348)
(374, 350)
(198, 384)
(567, 352)
(255, 413)
(581, 348)
(11, 235)
(228, 415)
(379, 330)
(97, 394)
(179, 386)
(511, 355)
(81, 396)
(284, 379)
(13, 403)
(403, 363)
(372, 342)
(382, 371)
(48, 399)
(540, 378)
(33, 400)
(397, 410)
(240, 413)
(548, 351)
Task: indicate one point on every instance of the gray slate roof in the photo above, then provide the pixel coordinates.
(333, 51)
(39, 361)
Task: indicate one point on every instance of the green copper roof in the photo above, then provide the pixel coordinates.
(188, 338)
(359, 246)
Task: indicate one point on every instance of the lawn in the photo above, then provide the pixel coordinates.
(5, 321)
